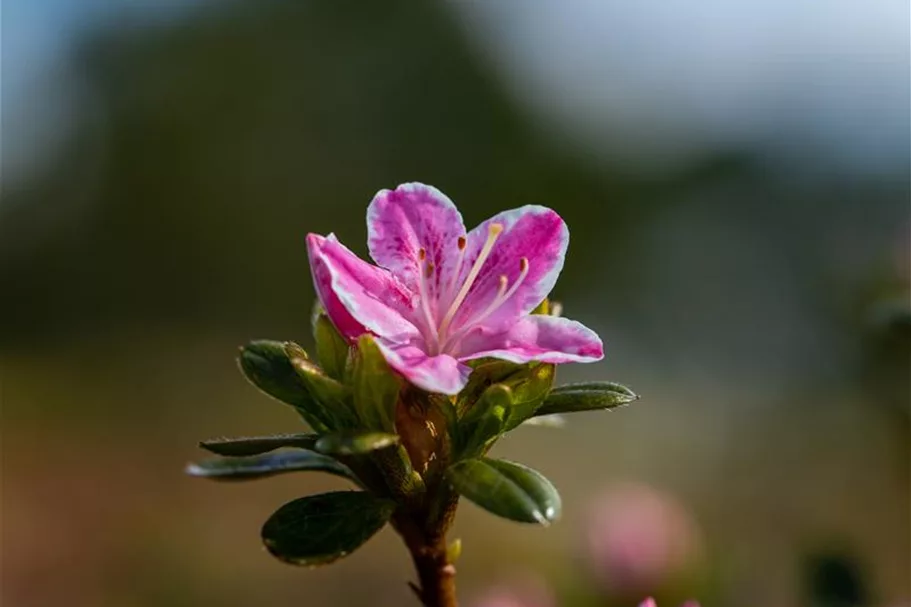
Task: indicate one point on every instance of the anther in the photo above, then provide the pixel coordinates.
(422, 254)
(504, 282)
(428, 271)
(462, 243)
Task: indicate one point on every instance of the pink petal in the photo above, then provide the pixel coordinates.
(532, 232)
(649, 602)
(536, 337)
(415, 216)
(322, 281)
(370, 295)
(442, 374)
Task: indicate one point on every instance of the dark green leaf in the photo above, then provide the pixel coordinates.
(259, 466)
(266, 365)
(354, 443)
(331, 348)
(587, 396)
(376, 387)
(507, 489)
(320, 529)
(255, 445)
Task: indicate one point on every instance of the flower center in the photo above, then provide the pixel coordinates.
(439, 339)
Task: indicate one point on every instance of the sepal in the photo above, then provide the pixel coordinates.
(331, 347)
(375, 386)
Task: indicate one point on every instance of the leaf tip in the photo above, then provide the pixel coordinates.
(193, 469)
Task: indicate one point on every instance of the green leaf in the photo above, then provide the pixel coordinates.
(259, 466)
(485, 421)
(485, 372)
(529, 393)
(587, 396)
(331, 348)
(507, 489)
(266, 365)
(376, 387)
(332, 399)
(320, 529)
(355, 443)
(255, 445)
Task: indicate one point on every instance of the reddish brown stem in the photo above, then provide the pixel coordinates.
(436, 576)
(424, 534)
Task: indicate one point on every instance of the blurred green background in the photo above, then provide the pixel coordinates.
(736, 182)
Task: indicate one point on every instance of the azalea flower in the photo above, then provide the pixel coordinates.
(441, 296)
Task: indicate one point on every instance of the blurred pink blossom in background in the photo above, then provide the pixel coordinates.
(525, 592)
(650, 602)
(637, 538)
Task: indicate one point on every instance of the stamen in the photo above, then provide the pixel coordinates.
(502, 297)
(422, 254)
(493, 231)
(523, 272)
(462, 242)
(428, 272)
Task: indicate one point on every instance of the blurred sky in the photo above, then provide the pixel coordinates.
(825, 82)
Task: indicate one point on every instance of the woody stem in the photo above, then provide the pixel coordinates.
(424, 533)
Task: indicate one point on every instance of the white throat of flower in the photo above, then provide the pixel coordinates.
(439, 340)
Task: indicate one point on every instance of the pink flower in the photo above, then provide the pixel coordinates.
(441, 296)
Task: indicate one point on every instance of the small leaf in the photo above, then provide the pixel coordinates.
(332, 399)
(376, 387)
(529, 393)
(331, 347)
(507, 489)
(586, 396)
(454, 550)
(485, 421)
(320, 529)
(354, 443)
(255, 445)
(485, 372)
(259, 466)
(266, 365)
